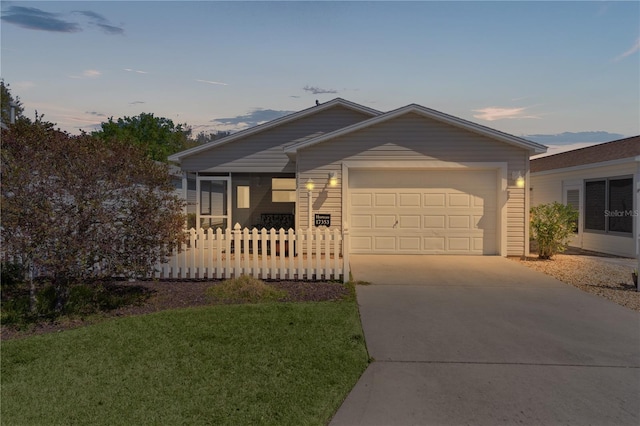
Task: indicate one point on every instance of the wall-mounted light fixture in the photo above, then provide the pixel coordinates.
(518, 179)
(333, 179)
(309, 184)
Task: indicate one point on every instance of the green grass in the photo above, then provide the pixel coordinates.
(275, 363)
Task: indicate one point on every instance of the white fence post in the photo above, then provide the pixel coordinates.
(291, 246)
(237, 250)
(282, 253)
(346, 271)
(254, 249)
(227, 253)
(265, 250)
(272, 244)
(210, 252)
(219, 251)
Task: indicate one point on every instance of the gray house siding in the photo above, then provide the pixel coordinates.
(409, 137)
(263, 152)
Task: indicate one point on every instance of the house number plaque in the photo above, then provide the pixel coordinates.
(322, 219)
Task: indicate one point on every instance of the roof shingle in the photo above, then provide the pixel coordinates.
(614, 150)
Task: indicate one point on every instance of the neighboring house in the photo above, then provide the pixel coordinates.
(412, 180)
(601, 182)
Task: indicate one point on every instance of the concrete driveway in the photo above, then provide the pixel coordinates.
(462, 340)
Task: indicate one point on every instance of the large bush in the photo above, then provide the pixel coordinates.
(76, 207)
(552, 225)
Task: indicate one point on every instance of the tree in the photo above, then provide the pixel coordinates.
(76, 207)
(203, 137)
(7, 100)
(551, 226)
(159, 137)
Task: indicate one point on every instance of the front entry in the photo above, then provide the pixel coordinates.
(214, 202)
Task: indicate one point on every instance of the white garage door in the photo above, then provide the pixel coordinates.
(423, 212)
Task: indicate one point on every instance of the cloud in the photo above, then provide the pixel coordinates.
(100, 22)
(318, 91)
(137, 102)
(253, 118)
(635, 48)
(136, 71)
(96, 114)
(212, 82)
(497, 113)
(36, 19)
(91, 73)
(87, 74)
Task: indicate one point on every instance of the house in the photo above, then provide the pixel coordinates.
(601, 182)
(412, 180)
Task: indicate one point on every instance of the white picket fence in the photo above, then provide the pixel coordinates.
(270, 255)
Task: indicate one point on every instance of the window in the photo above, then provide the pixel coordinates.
(609, 205)
(283, 190)
(620, 213)
(595, 205)
(243, 197)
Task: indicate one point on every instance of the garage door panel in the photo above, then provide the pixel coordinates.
(385, 200)
(411, 244)
(363, 221)
(460, 244)
(385, 221)
(432, 244)
(361, 244)
(436, 212)
(409, 222)
(385, 244)
(434, 222)
(478, 244)
(478, 201)
(459, 200)
(435, 200)
(361, 200)
(459, 222)
(409, 200)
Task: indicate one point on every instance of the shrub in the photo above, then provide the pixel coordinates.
(551, 226)
(46, 302)
(81, 300)
(15, 310)
(11, 274)
(71, 203)
(244, 289)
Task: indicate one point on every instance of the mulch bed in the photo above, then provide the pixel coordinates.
(164, 295)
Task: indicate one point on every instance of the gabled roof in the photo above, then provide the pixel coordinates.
(614, 150)
(533, 147)
(274, 123)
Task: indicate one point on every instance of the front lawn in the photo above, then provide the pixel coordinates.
(275, 363)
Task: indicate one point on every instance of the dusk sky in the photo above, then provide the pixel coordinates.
(526, 68)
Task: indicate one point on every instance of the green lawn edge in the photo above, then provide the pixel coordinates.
(272, 363)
